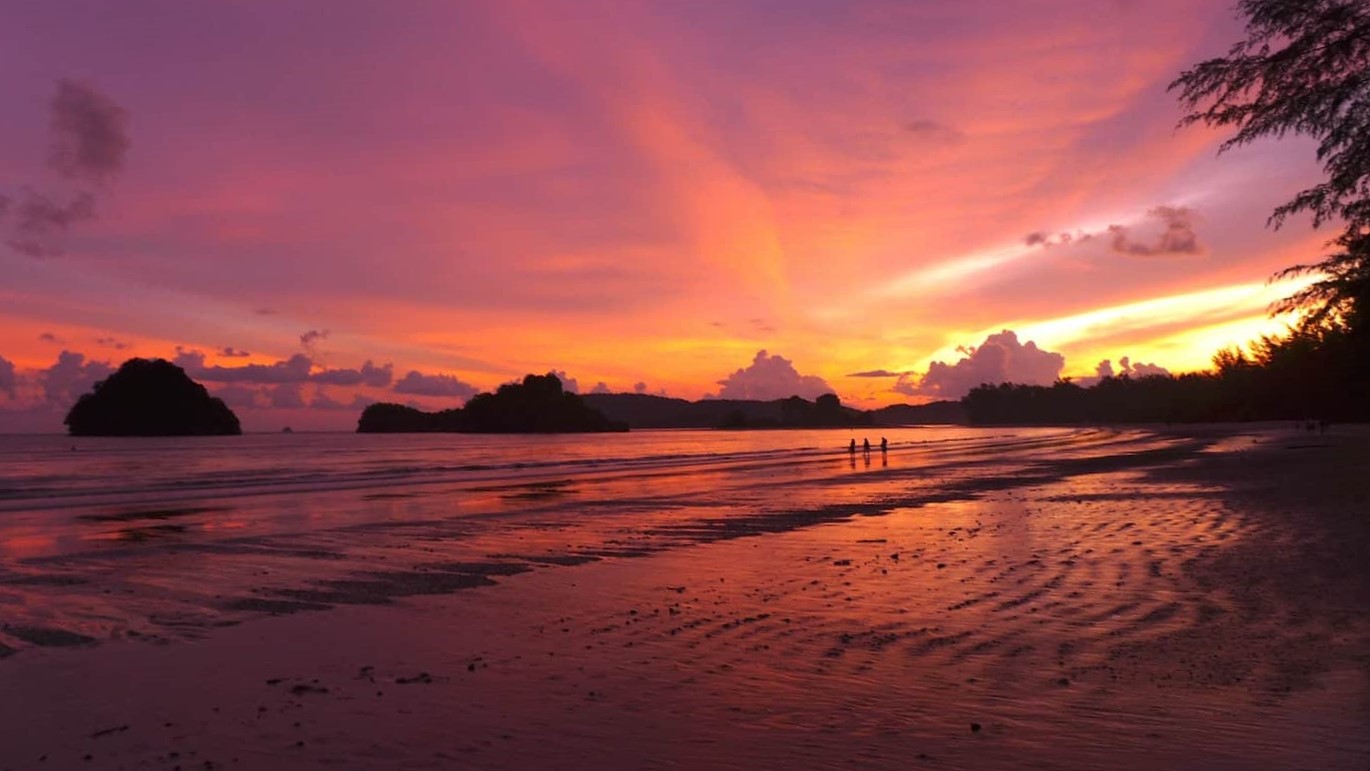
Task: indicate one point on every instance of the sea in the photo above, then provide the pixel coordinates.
(171, 537)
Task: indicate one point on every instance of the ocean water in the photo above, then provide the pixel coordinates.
(106, 536)
(47, 472)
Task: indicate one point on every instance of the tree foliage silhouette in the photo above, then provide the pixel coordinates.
(1303, 69)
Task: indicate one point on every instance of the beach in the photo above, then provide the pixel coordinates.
(1009, 598)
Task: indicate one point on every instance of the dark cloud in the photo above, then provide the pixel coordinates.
(89, 133)
(1046, 240)
(1000, 359)
(1177, 237)
(308, 339)
(771, 377)
(49, 337)
(600, 388)
(639, 387)
(876, 373)
(418, 384)
(299, 368)
(39, 221)
(296, 369)
(933, 131)
(1140, 369)
(369, 375)
(230, 352)
(70, 377)
(89, 142)
(9, 381)
(109, 342)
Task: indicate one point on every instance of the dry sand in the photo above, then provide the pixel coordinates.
(1184, 601)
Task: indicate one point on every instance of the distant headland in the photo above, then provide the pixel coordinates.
(150, 397)
(538, 405)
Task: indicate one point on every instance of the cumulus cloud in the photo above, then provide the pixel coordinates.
(230, 352)
(1141, 369)
(369, 375)
(418, 384)
(299, 368)
(49, 337)
(600, 388)
(1105, 369)
(771, 377)
(1001, 358)
(9, 381)
(1177, 235)
(639, 387)
(568, 383)
(70, 377)
(296, 369)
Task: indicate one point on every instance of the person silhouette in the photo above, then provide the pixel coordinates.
(851, 448)
(884, 445)
(866, 446)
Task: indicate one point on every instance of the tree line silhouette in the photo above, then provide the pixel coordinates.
(1303, 69)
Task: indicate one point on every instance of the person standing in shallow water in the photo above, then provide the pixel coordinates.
(865, 446)
(884, 445)
(852, 447)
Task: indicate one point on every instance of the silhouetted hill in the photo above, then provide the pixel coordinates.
(538, 405)
(150, 398)
(934, 413)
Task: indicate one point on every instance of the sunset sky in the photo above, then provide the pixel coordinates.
(311, 205)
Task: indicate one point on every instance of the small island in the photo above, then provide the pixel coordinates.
(538, 405)
(150, 397)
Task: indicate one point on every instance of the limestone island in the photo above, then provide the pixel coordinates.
(538, 405)
(150, 397)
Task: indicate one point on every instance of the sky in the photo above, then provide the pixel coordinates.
(315, 205)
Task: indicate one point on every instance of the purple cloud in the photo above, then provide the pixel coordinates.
(771, 377)
(1000, 359)
(418, 384)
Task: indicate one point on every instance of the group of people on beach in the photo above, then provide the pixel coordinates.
(866, 446)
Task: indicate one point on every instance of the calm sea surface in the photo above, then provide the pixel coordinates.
(42, 472)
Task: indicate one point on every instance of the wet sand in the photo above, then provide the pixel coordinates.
(1131, 600)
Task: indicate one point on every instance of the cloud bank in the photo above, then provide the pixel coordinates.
(1177, 235)
(1001, 358)
(416, 383)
